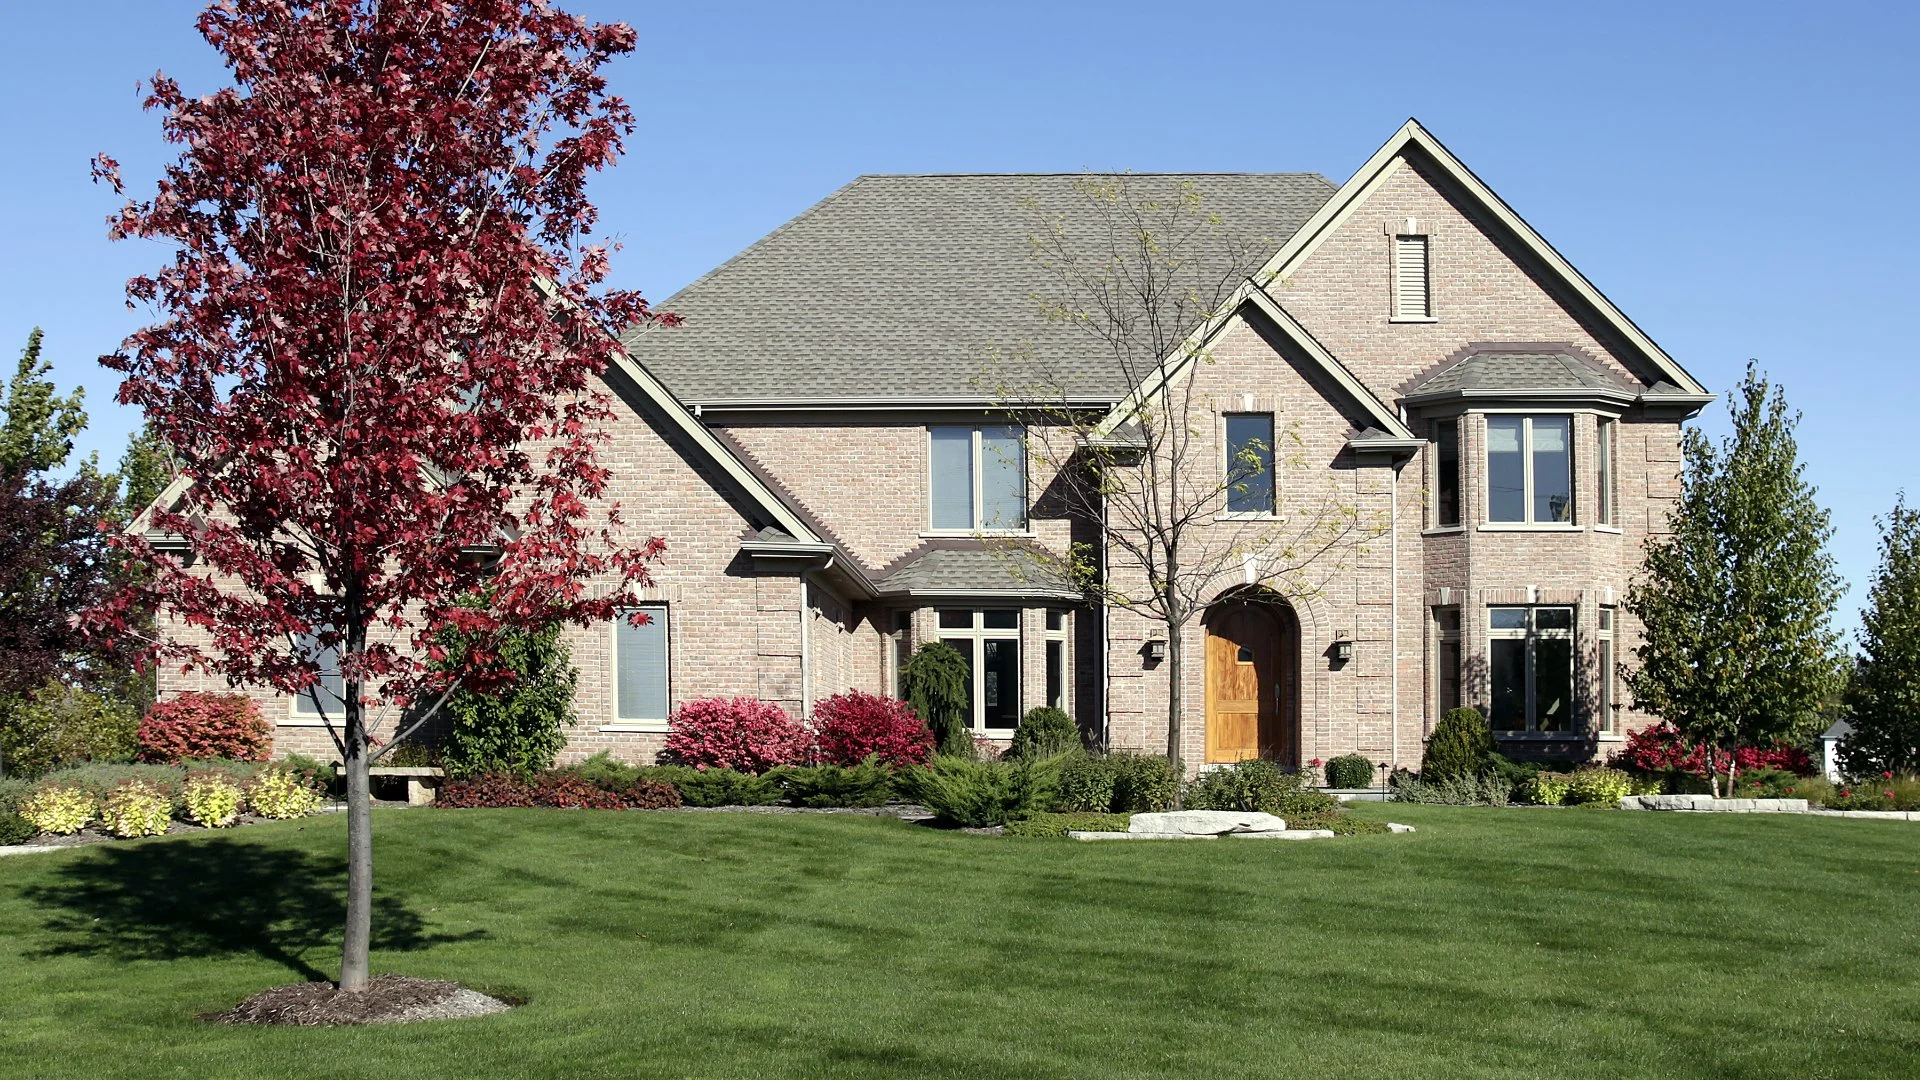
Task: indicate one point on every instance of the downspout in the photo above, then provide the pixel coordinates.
(1393, 584)
(1106, 639)
(806, 650)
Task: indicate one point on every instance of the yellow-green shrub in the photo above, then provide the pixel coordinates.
(59, 810)
(1549, 789)
(278, 793)
(212, 799)
(1606, 786)
(136, 809)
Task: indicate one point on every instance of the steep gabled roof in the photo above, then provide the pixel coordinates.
(891, 290)
(1414, 140)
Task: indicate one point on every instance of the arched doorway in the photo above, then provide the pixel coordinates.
(1253, 679)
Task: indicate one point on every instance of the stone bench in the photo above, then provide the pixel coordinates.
(422, 781)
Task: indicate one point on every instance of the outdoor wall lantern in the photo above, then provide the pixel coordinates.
(1156, 650)
(1342, 651)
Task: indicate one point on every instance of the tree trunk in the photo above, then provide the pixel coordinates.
(356, 944)
(1176, 696)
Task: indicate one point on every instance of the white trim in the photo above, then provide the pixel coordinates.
(977, 635)
(1386, 161)
(979, 478)
(637, 727)
(1528, 523)
(617, 722)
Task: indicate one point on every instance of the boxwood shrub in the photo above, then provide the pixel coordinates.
(1349, 771)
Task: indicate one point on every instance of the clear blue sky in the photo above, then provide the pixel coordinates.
(1740, 178)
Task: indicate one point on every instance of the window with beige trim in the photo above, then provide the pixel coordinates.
(1604, 439)
(331, 689)
(1605, 723)
(1447, 659)
(1530, 469)
(990, 641)
(1530, 668)
(640, 667)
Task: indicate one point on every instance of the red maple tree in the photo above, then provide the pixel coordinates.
(376, 356)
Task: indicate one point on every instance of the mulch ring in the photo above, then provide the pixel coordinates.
(387, 999)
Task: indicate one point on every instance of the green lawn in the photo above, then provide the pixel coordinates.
(1492, 943)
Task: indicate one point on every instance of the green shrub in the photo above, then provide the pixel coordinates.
(59, 726)
(282, 794)
(867, 784)
(982, 794)
(1605, 787)
(411, 755)
(938, 682)
(1086, 783)
(1062, 824)
(136, 809)
(12, 790)
(98, 779)
(1817, 790)
(1549, 789)
(1253, 785)
(602, 771)
(1516, 773)
(1490, 789)
(1142, 784)
(1349, 771)
(1766, 782)
(1044, 732)
(1877, 793)
(1461, 746)
(15, 830)
(212, 799)
(319, 775)
(719, 787)
(517, 727)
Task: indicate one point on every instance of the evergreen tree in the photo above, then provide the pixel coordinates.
(1460, 747)
(39, 427)
(937, 682)
(1883, 698)
(1737, 603)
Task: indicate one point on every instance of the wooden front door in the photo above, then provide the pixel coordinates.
(1243, 683)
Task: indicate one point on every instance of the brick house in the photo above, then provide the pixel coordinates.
(835, 488)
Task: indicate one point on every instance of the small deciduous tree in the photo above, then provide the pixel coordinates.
(1883, 697)
(376, 356)
(1737, 601)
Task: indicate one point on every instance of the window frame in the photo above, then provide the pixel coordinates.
(1226, 467)
(1606, 698)
(1054, 644)
(1526, 474)
(1532, 634)
(624, 723)
(1435, 428)
(1605, 442)
(977, 498)
(977, 635)
(319, 717)
(1449, 624)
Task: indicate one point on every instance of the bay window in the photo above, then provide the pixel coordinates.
(1530, 668)
(977, 478)
(990, 642)
(1530, 469)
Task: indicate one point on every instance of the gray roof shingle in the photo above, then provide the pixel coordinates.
(892, 289)
(1492, 372)
(974, 567)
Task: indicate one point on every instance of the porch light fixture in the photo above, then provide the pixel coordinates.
(1156, 649)
(1342, 651)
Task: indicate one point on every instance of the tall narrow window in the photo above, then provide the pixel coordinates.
(1603, 464)
(1530, 668)
(1446, 479)
(640, 667)
(1249, 463)
(1447, 667)
(977, 478)
(327, 697)
(990, 641)
(1412, 291)
(1057, 659)
(900, 643)
(1530, 469)
(1603, 698)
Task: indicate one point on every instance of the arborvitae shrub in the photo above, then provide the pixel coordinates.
(1044, 732)
(1461, 745)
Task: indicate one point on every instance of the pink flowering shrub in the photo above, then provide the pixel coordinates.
(736, 733)
(202, 725)
(854, 725)
(1660, 748)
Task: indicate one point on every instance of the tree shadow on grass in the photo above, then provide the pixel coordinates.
(219, 897)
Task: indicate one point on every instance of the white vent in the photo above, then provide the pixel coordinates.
(1412, 298)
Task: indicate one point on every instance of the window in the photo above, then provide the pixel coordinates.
(1057, 659)
(990, 640)
(1530, 469)
(1412, 294)
(1604, 723)
(977, 478)
(331, 689)
(1603, 460)
(1249, 463)
(901, 640)
(1446, 465)
(1530, 668)
(1447, 657)
(640, 665)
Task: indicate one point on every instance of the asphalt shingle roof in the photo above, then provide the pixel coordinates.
(1496, 371)
(957, 566)
(894, 287)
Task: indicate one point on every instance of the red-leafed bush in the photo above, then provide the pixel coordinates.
(736, 733)
(485, 792)
(853, 726)
(201, 725)
(568, 792)
(650, 795)
(1661, 748)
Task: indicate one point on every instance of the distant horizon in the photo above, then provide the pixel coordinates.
(1724, 173)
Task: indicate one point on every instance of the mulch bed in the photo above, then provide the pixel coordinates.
(388, 999)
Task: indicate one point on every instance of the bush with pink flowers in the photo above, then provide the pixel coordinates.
(736, 733)
(198, 726)
(854, 726)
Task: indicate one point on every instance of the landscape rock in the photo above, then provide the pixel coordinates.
(1206, 822)
(1394, 826)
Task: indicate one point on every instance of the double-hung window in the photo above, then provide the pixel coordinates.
(1249, 463)
(990, 641)
(640, 667)
(1530, 469)
(1530, 668)
(1446, 468)
(977, 478)
(326, 698)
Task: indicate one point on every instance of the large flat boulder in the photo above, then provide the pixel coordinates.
(1205, 823)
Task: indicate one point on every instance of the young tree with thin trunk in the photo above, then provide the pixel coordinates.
(1148, 286)
(376, 358)
(1737, 601)
(1883, 697)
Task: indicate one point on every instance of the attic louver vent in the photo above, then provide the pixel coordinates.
(1411, 297)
